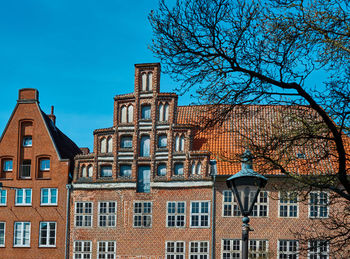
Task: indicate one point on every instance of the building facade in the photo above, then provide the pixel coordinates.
(36, 160)
(151, 188)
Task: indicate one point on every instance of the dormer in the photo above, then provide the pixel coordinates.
(147, 78)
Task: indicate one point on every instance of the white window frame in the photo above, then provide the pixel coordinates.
(318, 205)
(289, 204)
(318, 253)
(106, 254)
(85, 216)
(49, 203)
(3, 231)
(23, 203)
(41, 160)
(238, 252)
(176, 214)
(22, 234)
(108, 215)
(200, 214)
(198, 254)
(48, 231)
(288, 253)
(82, 254)
(142, 214)
(1, 196)
(174, 253)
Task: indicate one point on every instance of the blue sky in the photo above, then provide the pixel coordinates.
(78, 54)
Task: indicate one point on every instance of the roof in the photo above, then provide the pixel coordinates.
(66, 148)
(281, 133)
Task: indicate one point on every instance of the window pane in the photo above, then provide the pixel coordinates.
(125, 170)
(146, 112)
(106, 171)
(44, 164)
(126, 142)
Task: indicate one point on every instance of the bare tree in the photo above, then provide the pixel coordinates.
(237, 52)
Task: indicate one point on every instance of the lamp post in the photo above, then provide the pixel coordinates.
(246, 185)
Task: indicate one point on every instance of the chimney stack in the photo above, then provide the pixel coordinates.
(52, 116)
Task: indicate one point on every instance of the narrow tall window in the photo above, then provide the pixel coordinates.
(82, 250)
(90, 170)
(106, 250)
(182, 143)
(149, 82)
(23, 197)
(109, 145)
(25, 169)
(161, 112)
(106, 171)
(2, 234)
(48, 196)
(83, 171)
(7, 165)
(144, 179)
(146, 112)
(83, 214)
(198, 168)
(143, 214)
(144, 82)
(177, 143)
(193, 168)
(145, 146)
(21, 234)
(3, 197)
(47, 234)
(123, 114)
(130, 113)
(166, 112)
(107, 213)
(103, 145)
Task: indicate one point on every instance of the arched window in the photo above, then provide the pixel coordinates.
(198, 168)
(123, 114)
(193, 168)
(149, 82)
(144, 82)
(162, 141)
(161, 112)
(90, 171)
(130, 113)
(166, 112)
(161, 170)
(145, 146)
(182, 143)
(103, 145)
(109, 145)
(178, 169)
(146, 112)
(83, 171)
(177, 143)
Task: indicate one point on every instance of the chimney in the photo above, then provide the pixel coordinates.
(28, 95)
(52, 116)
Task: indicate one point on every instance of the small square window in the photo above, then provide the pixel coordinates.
(146, 112)
(7, 165)
(106, 171)
(125, 170)
(126, 142)
(49, 196)
(23, 197)
(27, 141)
(162, 141)
(44, 164)
(179, 169)
(161, 171)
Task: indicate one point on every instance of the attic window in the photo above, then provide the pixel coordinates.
(301, 155)
(27, 141)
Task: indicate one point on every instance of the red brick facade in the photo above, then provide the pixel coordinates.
(32, 157)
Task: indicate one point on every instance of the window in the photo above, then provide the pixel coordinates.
(123, 114)
(178, 169)
(125, 170)
(7, 165)
(23, 197)
(2, 234)
(318, 205)
(48, 196)
(179, 143)
(25, 169)
(83, 214)
(175, 250)
(130, 113)
(144, 179)
(182, 143)
(145, 146)
(83, 171)
(27, 141)
(161, 171)
(47, 234)
(149, 82)
(90, 170)
(143, 214)
(107, 214)
(163, 112)
(144, 82)
(288, 204)
(146, 112)
(261, 205)
(109, 145)
(162, 141)
(199, 250)
(106, 171)
(287, 249)
(82, 250)
(232, 248)
(318, 249)
(3, 197)
(126, 142)
(44, 164)
(103, 145)
(106, 249)
(196, 168)
(200, 214)
(176, 213)
(21, 234)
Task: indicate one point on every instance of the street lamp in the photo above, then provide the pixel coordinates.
(246, 185)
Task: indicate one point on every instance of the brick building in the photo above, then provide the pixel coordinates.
(151, 188)
(36, 160)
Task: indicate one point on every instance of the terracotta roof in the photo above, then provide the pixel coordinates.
(266, 130)
(66, 148)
